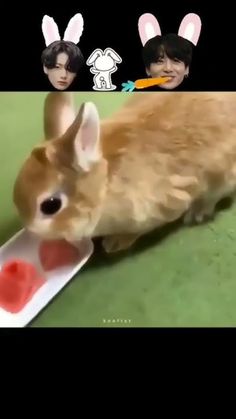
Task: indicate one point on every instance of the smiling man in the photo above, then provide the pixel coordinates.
(168, 55)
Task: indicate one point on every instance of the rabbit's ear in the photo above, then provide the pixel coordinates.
(50, 30)
(95, 54)
(87, 138)
(59, 114)
(74, 29)
(110, 52)
(79, 147)
(190, 28)
(148, 27)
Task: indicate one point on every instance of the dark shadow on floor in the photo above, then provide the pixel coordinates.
(100, 258)
(224, 204)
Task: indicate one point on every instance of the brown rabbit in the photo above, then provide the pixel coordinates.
(161, 156)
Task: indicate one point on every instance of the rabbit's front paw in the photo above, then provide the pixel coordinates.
(113, 244)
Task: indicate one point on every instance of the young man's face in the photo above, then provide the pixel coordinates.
(59, 76)
(168, 67)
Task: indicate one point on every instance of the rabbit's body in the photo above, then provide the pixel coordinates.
(166, 139)
(164, 155)
(102, 79)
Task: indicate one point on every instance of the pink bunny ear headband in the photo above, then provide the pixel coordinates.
(72, 33)
(189, 28)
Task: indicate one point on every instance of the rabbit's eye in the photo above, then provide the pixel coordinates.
(51, 206)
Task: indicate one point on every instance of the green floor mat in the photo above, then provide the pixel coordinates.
(176, 277)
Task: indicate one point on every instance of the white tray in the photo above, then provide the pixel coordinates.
(25, 246)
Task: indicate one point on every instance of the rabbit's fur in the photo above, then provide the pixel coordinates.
(161, 156)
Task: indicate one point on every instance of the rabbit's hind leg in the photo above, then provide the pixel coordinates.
(204, 209)
(201, 211)
(220, 186)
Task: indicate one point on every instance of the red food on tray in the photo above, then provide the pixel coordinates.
(19, 280)
(57, 253)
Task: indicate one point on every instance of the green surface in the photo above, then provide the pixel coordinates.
(178, 277)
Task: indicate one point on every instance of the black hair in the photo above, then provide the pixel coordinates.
(173, 45)
(75, 56)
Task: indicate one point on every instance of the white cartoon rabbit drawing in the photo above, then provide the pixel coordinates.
(103, 65)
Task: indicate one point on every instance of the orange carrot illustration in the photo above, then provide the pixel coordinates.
(142, 83)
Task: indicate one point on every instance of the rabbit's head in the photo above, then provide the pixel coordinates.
(60, 188)
(104, 61)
